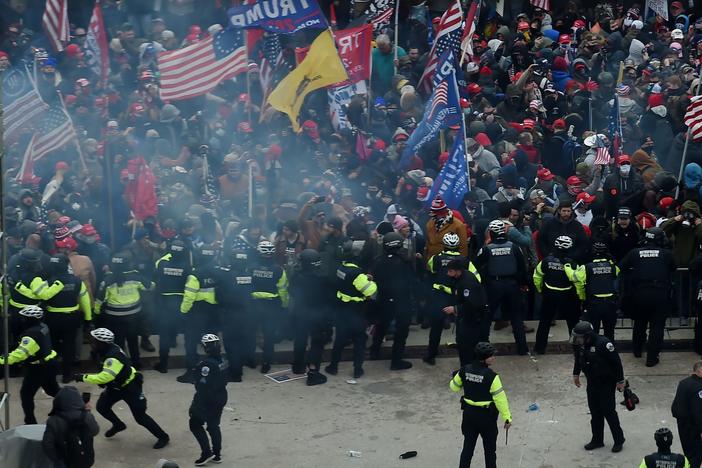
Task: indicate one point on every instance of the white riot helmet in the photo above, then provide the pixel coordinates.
(563, 242)
(451, 240)
(32, 311)
(103, 334)
(265, 248)
(209, 338)
(497, 227)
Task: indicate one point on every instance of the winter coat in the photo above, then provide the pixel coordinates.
(685, 237)
(434, 238)
(645, 165)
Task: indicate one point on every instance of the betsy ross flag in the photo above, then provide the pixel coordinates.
(448, 37)
(55, 23)
(472, 19)
(693, 118)
(197, 69)
(23, 106)
(53, 132)
(441, 111)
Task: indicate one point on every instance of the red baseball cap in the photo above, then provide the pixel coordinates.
(544, 174)
(623, 159)
(559, 123)
(585, 198)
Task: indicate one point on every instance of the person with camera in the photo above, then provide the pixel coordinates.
(596, 357)
(122, 383)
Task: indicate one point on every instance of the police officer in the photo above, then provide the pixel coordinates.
(647, 273)
(596, 357)
(353, 289)
(122, 383)
(170, 275)
(392, 274)
(595, 283)
(687, 409)
(199, 305)
(663, 457)
(25, 285)
(308, 290)
(270, 295)
(234, 295)
(503, 270)
(469, 306)
(483, 399)
(35, 351)
(67, 305)
(209, 400)
(557, 291)
(118, 304)
(442, 290)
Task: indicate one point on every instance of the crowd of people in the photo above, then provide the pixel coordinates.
(262, 231)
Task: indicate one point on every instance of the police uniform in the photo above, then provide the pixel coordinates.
(595, 283)
(353, 289)
(502, 269)
(648, 271)
(25, 285)
(442, 293)
(211, 376)
(392, 274)
(309, 291)
(118, 304)
(483, 399)
(67, 305)
(470, 302)
(687, 410)
(122, 383)
(269, 285)
(664, 460)
(234, 294)
(600, 363)
(170, 276)
(200, 307)
(35, 351)
(558, 298)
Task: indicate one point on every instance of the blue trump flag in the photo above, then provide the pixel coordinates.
(278, 16)
(441, 111)
(452, 181)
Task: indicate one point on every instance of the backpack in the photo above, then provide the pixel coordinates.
(79, 445)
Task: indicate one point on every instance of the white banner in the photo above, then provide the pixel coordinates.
(660, 7)
(340, 97)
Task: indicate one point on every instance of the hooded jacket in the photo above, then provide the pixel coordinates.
(685, 236)
(646, 165)
(68, 411)
(635, 52)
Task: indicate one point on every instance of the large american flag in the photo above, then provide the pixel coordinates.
(472, 19)
(55, 23)
(53, 132)
(693, 118)
(23, 105)
(448, 36)
(200, 67)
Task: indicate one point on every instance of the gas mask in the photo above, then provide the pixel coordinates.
(624, 170)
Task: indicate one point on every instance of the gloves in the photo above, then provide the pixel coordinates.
(592, 86)
(78, 377)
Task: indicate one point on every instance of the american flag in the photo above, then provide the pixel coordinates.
(54, 131)
(615, 128)
(693, 118)
(602, 154)
(543, 4)
(23, 105)
(448, 36)
(200, 67)
(272, 59)
(472, 19)
(383, 17)
(26, 171)
(440, 99)
(55, 22)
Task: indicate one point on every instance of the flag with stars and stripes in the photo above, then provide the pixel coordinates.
(441, 111)
(55, 23)
(378, 13)
(472, 19)
(448, 37)
(602, 155)
(53, 132)
(197, 69)
(693, 118)
(22, 104)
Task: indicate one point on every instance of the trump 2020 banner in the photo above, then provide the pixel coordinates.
(278, 16)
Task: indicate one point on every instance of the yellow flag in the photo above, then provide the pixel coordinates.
(321, 67)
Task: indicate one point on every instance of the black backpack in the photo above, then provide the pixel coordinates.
(79, 445)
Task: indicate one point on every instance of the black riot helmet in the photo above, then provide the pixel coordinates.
(654, 236)
(484, 350)
(119, 263)
(392, 242)
(581, 333)
(600, 249)
(310, 259)
(58, 264)
(30, 259)
(178, 249)
(664, 438)
(346, 250)
(205, 256)
(238, 259)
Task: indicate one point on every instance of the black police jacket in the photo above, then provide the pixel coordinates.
(234, 293)
(687, 404)
(69, 295)
(648, 266)
(170, 275)
(211, 382)
(392, 275)
(309, 291)
(599, 361)
(470, 298)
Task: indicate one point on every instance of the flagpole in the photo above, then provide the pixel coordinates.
(370, 87)
(250, 170)
(75, 135)
(248, 80)
(397, 31)
(5, 399)
(687, 142)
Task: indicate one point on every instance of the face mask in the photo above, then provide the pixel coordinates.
(624, 170)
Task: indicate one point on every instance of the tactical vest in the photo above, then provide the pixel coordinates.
(346, 273)
(264, 278)
(664, 460)
(477, 380)
(18, 299)
(170, 277)
(600, 278)
(554, 274)
(69, 295)
(235, 290)
(441, 261)
(502, 261)
(115, 352)
(40, 334)
(647, 267)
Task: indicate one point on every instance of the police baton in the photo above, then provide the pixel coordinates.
(506, 435)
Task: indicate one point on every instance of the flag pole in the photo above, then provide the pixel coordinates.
(5, 398)
(370, 86)
(248, 80)
(397, 31)
(687, 142)
(250, 170)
